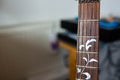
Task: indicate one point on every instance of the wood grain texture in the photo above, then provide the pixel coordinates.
(88, 41)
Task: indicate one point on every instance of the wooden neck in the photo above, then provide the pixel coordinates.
(88, 39)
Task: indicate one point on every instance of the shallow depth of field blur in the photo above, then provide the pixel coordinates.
(30, 48)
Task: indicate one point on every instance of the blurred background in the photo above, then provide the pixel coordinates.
(38, 39)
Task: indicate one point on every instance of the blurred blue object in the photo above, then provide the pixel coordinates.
(113, 24)
(76, 18)
(104, 24)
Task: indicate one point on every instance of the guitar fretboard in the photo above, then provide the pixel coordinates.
(87, 43)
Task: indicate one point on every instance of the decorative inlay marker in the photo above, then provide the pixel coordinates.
(88, 60)
(87, 46)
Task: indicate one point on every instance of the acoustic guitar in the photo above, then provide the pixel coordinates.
(87, 62)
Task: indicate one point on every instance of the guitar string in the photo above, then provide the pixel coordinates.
(79, 32)
(84, 34)
(86, 15)
(93, 31)
(91, 23)
(93, 28)
(82, 26)
(82, 31)
(97, 30)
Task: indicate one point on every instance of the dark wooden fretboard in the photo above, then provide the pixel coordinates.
(88, 39)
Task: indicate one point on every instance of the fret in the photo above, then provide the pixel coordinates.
(88, 36)
(79, 79)
(92, 20)
(79, 66)
(81, 52)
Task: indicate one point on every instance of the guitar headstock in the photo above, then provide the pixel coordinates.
(88, 1)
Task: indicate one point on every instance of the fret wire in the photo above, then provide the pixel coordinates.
(80, 52)
(89, 36)
(90, 20)
(94, 29)
(79, 66)
(79, 79)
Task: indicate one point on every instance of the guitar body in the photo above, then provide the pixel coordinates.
(88, 40)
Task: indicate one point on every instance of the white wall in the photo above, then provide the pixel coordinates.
(111, 7)
(19, 11)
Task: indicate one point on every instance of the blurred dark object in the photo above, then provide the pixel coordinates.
(109, 45)
(109, 29)
(109, 61)
(64, 37)
(106, 34)
(69, 25)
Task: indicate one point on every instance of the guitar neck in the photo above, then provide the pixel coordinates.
(88, 39)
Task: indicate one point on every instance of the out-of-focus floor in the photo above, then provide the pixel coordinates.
(25, 53)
